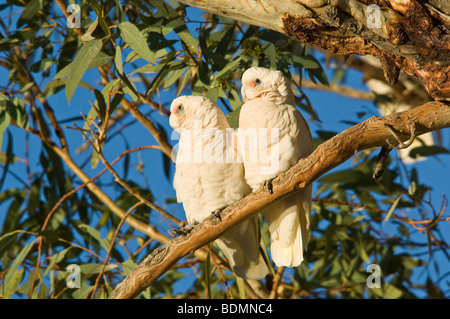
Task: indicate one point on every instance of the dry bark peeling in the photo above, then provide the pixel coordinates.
(374, 132)
(408, 35)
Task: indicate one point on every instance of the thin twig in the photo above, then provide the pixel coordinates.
(129, 188)
(381, 160)
(73, 191)
(276, 282)
(116, 233)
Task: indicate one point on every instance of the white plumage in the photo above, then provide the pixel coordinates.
(269, 103)
(206, 180)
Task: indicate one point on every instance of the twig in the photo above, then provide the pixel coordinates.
(73, 191)
(67, 15)
(380, 165)
(276, 282)
(129, 188)
(116, 233)
(165, 146)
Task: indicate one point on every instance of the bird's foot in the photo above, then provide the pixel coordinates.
(217, 212)
(186, 229)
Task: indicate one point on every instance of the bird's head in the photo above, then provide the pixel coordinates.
(266, 84)
(189, 112)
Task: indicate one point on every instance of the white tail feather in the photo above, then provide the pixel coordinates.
(240, 245)
(288, 226)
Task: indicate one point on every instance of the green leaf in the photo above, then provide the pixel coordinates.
(4, 157)
(234, 100)
(92, 268)
(203, 73)
(92, 115)
(99, 60)
(42, 65)
(101, 104)
(128, 266)
(231, 66)
(13, 283)
(241, 287)
(173, 76)
(80, 64)
(325, 135)
(359, 243)
(225, 41)
(184, 81)
(412, 188)
(393, 207)
(391, 292)
(213, 94)
(233, 118)
(101, 20)
(56, 258)
(411, 262)
(186, 37)
(347, 176)
(119, 12)
(87, 36)
(318, 74)
(428, 151)
(96, 235)
(5, 120)
(31, 9)
(118, 60)
(307, 61)
(133, 37)
(9, 158)
(9, 280)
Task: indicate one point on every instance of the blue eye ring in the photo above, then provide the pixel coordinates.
(180, 109)
(257, 82)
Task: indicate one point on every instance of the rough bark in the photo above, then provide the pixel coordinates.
(412, 36)
(374, 132)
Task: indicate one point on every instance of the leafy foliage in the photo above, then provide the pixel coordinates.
(119, 71)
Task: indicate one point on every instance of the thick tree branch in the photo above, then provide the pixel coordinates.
(409, 35)
(371, 133)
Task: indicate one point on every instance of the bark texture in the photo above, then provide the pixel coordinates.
(408, 35)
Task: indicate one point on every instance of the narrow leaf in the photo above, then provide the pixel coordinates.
(118, 60)
(80, 64)
(391, 210)
(15, 265)
(133, 37)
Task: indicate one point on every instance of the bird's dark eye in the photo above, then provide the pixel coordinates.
(180, 109)
(257, 82)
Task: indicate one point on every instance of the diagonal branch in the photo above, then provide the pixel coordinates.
(368, 134)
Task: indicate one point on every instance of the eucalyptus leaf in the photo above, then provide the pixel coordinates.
(133, 37)
(81, 63)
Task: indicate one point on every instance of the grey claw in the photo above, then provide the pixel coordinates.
(186, 229)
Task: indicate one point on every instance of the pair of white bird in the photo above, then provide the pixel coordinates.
(204, 187)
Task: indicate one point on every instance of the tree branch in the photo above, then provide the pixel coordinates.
(407, 35)
(369, 134)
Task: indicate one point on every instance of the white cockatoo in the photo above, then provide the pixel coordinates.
(207, 178)
(269, 104)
